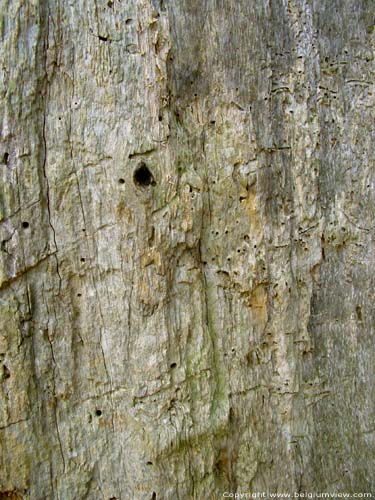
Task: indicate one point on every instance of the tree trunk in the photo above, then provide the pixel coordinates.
(187, 248)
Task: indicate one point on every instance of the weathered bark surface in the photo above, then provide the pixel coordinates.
(209, 327)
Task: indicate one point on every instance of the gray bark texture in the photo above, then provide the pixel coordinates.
(187, 248)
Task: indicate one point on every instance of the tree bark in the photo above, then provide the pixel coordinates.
(187, 248)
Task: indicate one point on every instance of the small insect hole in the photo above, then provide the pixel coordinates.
(25, 224)
(149, 463)
(121, 181)
(98, 413)
(6, 372)
(83, 259)
(358, 311)
(173, 365)
(6, 158)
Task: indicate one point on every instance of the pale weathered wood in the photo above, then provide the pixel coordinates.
(187, 248)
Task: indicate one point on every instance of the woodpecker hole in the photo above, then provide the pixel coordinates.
(143, 177)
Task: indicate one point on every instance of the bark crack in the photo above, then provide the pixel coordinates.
(55, 417)
(44, 164)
